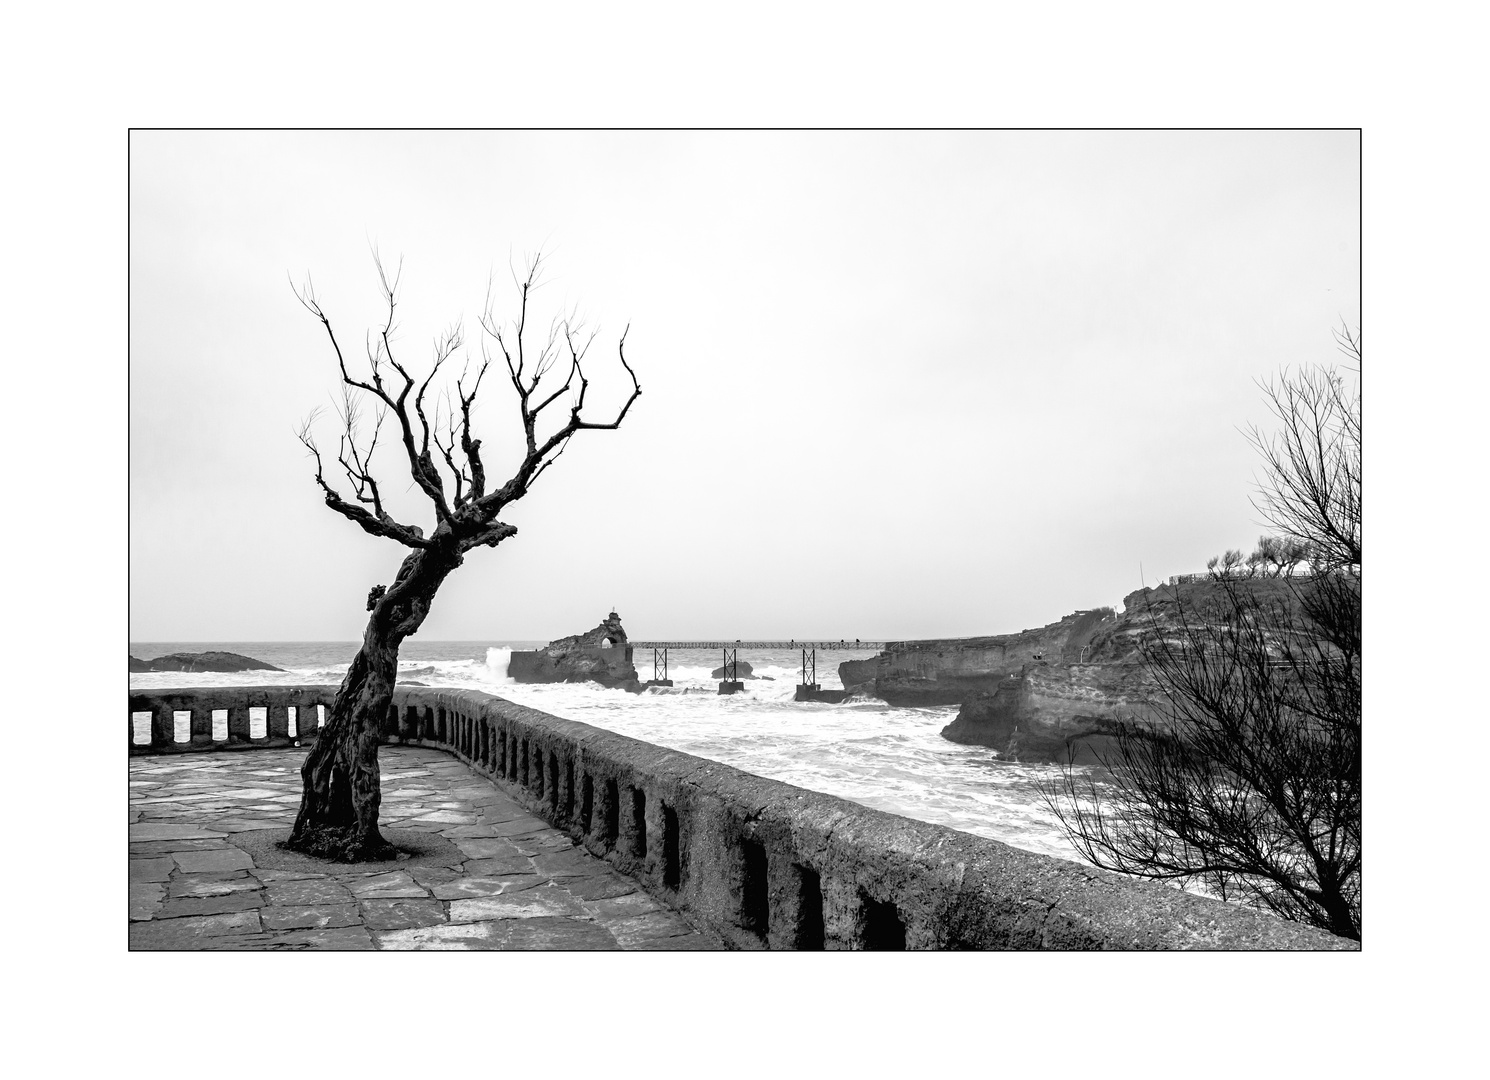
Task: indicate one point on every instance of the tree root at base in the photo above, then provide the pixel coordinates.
(343, 844)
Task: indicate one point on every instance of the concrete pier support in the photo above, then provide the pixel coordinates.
(814, 692)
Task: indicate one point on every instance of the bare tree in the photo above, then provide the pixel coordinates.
(338, 816)
(1250, 783)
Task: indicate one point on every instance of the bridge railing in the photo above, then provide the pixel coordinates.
(825, 646)
(766, 864)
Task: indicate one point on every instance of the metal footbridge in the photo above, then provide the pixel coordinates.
(825, 646)
(807, 690)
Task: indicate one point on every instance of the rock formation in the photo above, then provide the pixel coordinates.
(950, 671)
(742, 668)
(1046, 693)
(601, 655)
(204, 661)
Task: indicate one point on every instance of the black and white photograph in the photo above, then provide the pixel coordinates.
(802, 540)
(752, 539)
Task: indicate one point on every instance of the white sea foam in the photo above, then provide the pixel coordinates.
(889, 758)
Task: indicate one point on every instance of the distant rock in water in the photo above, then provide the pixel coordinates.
(204, 661)
(601, 655)
(744, 671)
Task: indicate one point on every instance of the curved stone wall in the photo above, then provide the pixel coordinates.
(763, 863)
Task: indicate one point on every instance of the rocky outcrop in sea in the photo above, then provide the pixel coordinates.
(202, 661)
(601, 655)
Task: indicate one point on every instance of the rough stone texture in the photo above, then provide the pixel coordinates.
(743, 670)
(1048, 694)
(203, 661)
(601, 655)
(196, 886)
(1046, 714)
(952, 670)
(748, 863)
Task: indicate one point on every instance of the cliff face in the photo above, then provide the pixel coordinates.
(1051, 712)
(601, 655)
(949, 671)
(1042, 694)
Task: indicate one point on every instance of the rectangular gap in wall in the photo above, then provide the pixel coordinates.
(258, 721)
(672, 857)
(612, 814)
(883, 930)
(427, 728)
(485, 755)
(140, 722)
(538, 771)
(568, 791)
(638, 822)
(553, 782)
(219, 725)
(586, 802)
(809, 908)
(522, 762)
(512, 759)
(440, 724)
(755, 910)
(292, 721)
(182, 720)
(501, 764)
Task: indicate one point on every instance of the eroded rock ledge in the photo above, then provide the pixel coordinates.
(1048, 693)
(203, 661)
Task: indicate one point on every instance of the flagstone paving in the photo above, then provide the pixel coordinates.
(204, 874)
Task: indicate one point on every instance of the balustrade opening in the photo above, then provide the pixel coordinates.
(755, 908)
(883, 929)
(809, 908)
(672, 862)
(638, 823)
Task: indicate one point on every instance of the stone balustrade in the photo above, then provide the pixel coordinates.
(225, 717)
(762, 863)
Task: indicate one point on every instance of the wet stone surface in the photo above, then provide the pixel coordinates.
(506, 880)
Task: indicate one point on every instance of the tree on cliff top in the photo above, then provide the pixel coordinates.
(1250, 784)
(338, 816)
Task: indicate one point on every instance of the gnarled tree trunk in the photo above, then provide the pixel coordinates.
(339, 803)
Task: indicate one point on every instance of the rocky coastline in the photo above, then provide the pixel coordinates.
(1049, 694)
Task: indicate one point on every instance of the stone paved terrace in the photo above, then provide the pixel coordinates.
(205, 874)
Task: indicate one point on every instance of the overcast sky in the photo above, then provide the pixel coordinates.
(895, 384)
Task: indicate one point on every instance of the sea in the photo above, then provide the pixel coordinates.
(864, 750)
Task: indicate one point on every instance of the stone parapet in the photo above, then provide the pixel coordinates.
(768, 865)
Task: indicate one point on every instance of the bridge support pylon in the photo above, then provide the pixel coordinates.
(731, 673)
(659, 669)
(808, 689)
